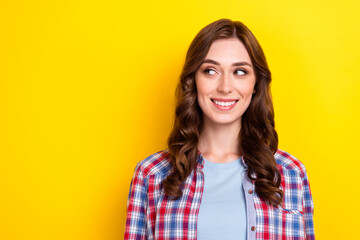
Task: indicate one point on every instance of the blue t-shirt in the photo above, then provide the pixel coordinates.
(222, 213)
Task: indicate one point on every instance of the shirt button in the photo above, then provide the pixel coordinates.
(253, 228)
(250, 191)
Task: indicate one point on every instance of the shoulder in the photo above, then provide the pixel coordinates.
(158, 163)
(288, 162)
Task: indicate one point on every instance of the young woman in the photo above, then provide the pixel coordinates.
(222, 175)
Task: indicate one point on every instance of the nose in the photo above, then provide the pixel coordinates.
(225, 84)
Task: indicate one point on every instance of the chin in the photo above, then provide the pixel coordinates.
(225, 120)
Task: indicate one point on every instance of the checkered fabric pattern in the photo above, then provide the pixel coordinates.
(152, 215)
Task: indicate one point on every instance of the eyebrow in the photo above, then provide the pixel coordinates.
(234, 64)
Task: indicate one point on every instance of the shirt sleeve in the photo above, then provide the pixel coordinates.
(136, 224)
(308, 207)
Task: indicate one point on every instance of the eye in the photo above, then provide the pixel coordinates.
(209, 71)
(240, 72)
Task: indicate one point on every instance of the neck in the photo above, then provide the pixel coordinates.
(220, 140)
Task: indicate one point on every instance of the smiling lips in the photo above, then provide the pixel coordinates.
(224, 104)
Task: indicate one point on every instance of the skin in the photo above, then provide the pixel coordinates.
(219, 139)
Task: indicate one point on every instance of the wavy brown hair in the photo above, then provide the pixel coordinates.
(259, 140)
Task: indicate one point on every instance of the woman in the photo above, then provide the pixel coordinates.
(222, 176)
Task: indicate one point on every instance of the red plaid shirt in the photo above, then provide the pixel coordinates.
(152, 215)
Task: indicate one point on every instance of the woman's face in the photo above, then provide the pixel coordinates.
(225, 81)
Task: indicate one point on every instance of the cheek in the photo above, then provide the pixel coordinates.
(249, 93)
(202, 89)
(202, 95)
(248, 88)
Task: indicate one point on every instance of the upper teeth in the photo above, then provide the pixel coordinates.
(224, 104)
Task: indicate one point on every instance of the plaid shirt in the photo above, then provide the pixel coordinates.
(152, 215)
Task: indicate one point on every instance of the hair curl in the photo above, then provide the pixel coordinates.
(259, 140)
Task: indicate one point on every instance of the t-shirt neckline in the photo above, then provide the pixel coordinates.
(233, 164)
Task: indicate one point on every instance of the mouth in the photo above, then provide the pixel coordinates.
(224, 104)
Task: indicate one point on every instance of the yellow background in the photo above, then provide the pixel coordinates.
(87, 91)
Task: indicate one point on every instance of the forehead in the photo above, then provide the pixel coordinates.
(228, 50)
